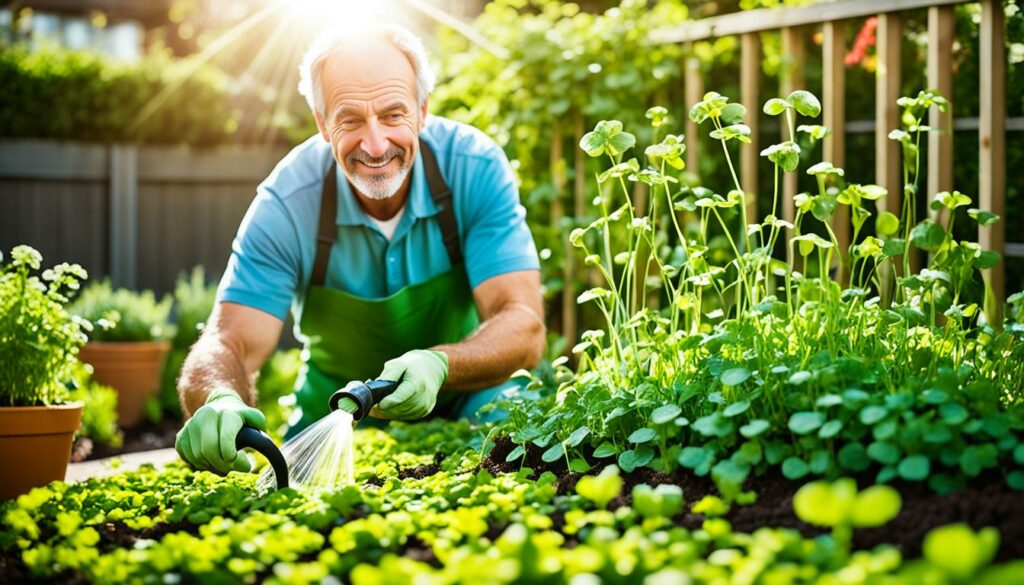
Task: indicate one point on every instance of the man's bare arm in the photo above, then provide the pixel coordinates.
(511, 335)
(233, 346)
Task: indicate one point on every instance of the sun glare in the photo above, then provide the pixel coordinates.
(318, 13)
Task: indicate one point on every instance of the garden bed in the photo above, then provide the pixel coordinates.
(453, 518)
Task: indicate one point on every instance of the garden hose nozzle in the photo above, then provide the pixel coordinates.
(359, 397)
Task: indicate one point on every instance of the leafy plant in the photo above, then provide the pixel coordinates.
(743, 361)
(39, 337)
(99, 410)
(122, 314)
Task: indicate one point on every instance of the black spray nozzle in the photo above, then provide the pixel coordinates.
(264, 445)
(364, 395)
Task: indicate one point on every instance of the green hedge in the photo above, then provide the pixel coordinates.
(80, 96)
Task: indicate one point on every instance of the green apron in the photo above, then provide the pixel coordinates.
(349, 338)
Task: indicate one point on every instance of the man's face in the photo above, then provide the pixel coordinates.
(371, 116)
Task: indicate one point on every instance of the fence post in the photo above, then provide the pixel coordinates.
(834, 96)
(941, 36)
(694, 94)
(750, 69)
(992, 141)
(124, 215)
(792, 79)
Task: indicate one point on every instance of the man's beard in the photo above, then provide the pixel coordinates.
(382, 185)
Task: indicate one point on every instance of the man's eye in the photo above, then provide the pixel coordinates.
(348, 123)
(395, 117)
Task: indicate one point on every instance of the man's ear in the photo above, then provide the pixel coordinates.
(423, 114)
(322, 127)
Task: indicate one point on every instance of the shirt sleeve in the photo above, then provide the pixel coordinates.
(265, 259)
(496, 238)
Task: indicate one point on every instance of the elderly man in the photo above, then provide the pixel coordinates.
(398, 242)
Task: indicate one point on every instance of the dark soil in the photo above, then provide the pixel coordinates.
(986, 501)
(423, 470)
(144, 438)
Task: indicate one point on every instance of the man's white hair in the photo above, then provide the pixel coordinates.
(332, 39)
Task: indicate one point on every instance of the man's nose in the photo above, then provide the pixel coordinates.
(374, 142)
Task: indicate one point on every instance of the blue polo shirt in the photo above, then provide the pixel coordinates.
(272, 254)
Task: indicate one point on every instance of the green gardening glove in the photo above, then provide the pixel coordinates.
(207, 440)
(422, 372)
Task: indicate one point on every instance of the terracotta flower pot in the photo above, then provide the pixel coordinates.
(131, 368)
(35, 444)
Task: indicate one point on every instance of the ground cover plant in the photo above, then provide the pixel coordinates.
(415, 516)
(746, 362)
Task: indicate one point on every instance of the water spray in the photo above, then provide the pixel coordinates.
(321, 456)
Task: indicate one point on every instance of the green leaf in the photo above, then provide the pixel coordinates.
(823, 504)
(602, 488)
(883, 452)
(714, 425)
(579, 465)
(986, 259)
(733, 114)
(642, 435)
(620, 143)
(875, 506)
(914, 468)
(699, 459)
(516, 453)
(821, 460)
(873, 414)
(775, 106)
(953, 413)
(802, 423)
(664, 501)
(577, 437)
(823, 207)
(805, 102)
(794, 468)
(665, 414)
(730, 473)
(830, 429)
(983, 217)
(799, 377)
(928, 235)
(735, 376)
(634, 458)
(887, 224)
(605, 449)
(854, 457)
(959, 551)
(553, 453)
(754, 428)
(736, 408)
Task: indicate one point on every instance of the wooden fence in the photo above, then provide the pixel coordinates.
(796, 27)
(140, 215)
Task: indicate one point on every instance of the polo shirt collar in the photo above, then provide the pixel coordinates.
(420, 204)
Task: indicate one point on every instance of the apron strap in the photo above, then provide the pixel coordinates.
(442, 197)
(327, 231)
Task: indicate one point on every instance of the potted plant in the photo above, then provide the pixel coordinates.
(128, 344)
(39, 344)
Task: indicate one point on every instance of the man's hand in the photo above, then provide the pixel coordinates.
(207, 440)
(422, 372)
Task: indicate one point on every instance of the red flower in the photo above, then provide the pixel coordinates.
(865, 39)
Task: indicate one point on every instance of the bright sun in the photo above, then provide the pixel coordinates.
(347, 12)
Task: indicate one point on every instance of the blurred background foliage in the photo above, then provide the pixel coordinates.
(204, 81)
